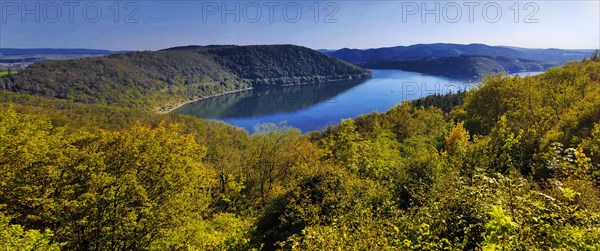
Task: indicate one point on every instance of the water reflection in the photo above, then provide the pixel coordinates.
(265, 101)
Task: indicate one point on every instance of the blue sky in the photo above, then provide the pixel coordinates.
(150, 25)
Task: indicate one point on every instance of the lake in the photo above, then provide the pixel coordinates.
(315, 106)
(526, 74)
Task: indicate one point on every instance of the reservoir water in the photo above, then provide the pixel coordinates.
(315, 106)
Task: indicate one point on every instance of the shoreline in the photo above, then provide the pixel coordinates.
(180, 104)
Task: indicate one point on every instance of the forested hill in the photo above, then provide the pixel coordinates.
(162, 79)
(463, 67)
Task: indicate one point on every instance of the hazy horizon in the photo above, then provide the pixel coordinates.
(334, 49)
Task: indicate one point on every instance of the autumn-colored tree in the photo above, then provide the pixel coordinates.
(457, 140)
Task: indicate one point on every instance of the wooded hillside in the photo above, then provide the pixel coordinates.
(161, 79)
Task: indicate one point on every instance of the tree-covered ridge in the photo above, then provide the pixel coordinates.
(161, 79)
(512, 165)
(463, 67)
(279, 64)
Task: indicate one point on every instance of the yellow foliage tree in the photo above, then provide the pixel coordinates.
(457, 140)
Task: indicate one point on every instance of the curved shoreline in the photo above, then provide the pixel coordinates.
(178, 105)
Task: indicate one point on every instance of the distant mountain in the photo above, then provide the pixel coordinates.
(12, 58)
(51, 51)
(424, 51)
(462, 67)
(163, 79)
(552, 55)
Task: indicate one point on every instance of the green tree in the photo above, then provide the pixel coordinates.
(14, 237)
(500, 233)
(109, 190)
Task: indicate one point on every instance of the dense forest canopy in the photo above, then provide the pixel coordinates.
(511, 165)
(162, 79)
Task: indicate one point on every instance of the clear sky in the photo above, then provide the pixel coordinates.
(149, 25)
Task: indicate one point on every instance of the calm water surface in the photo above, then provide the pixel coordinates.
(315, 106)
